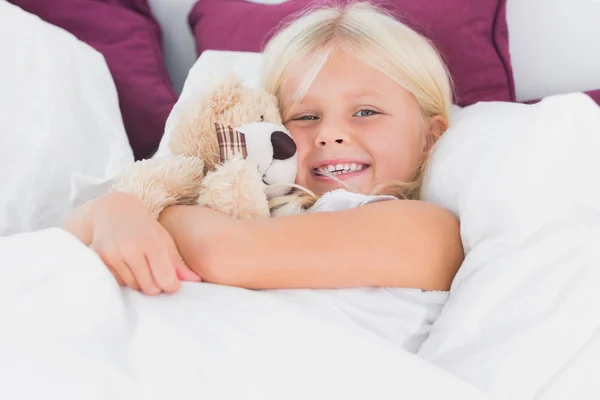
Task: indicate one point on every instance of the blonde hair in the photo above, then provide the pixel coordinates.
(370, 34)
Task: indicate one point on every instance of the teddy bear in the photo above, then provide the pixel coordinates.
(228, 151)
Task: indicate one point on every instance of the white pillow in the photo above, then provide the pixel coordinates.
(525, 182)
(61, 131)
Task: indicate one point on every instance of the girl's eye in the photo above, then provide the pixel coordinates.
(365, 113)
(306, 118)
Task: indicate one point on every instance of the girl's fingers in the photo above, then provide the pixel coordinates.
(111, 266)
(117, 277)
(183, 272)
(140, 270)
(163, 269)
(123, 270)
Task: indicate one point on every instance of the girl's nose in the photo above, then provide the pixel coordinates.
(331, 133)
(323, 143)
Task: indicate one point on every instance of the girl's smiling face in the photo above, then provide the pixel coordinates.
(354, 122)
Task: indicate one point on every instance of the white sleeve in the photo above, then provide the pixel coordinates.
(341, 199)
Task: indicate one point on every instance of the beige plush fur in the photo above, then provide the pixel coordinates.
(230, 103)
(236, 190)
(163, 182)
(194, 174)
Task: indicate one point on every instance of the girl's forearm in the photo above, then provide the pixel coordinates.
(399, 243)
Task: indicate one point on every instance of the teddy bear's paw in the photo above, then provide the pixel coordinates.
(184, 178)
(162, 182)
(235, 188)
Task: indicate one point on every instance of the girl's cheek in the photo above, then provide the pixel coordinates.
(302, 143)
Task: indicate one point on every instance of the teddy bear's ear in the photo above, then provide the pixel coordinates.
(226, 93)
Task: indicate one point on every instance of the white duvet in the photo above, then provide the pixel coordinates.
(69, 332)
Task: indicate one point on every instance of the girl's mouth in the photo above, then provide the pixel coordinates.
(340, 171)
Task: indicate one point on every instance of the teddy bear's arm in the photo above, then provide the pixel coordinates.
(162, 182)
(236, 189)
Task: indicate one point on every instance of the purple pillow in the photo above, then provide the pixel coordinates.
(595, 95)
(128, 36)
(473, 39)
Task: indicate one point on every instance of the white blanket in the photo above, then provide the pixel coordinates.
(69, 332)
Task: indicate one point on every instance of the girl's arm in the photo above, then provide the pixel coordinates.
(392, 243)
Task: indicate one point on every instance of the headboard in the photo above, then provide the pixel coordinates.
(554, 44)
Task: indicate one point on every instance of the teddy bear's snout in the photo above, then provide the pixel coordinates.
(283, 145)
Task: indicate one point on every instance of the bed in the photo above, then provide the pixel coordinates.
(522, 320)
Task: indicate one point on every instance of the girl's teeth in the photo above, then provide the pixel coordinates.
(340, 169)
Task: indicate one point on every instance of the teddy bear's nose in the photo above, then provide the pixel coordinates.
(283, 145)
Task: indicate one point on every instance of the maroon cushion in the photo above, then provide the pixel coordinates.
(594, 94)
(473, 39)
(125, 32)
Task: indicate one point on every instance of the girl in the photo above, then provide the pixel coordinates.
(365, 98)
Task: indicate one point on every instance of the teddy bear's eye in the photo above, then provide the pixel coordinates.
(262, 118)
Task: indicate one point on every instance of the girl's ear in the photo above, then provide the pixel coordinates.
(437, 126)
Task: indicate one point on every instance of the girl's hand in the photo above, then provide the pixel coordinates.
(137, 250)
